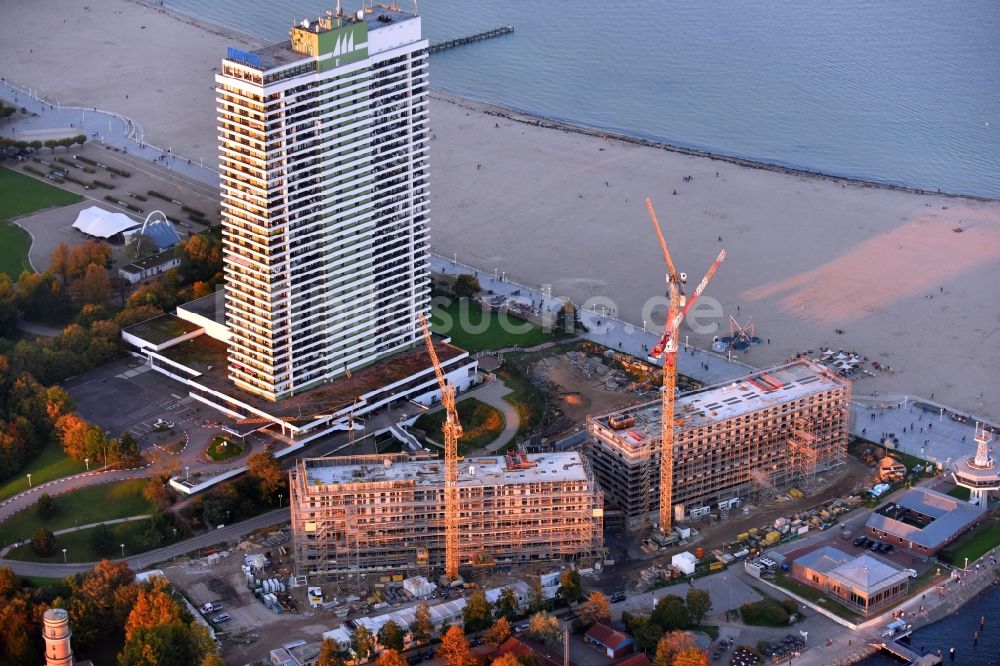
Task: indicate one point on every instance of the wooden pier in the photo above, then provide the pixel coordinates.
(904, 652)
(489, 34)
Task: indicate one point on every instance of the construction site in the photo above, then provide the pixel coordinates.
(386, 513)
(739, 442)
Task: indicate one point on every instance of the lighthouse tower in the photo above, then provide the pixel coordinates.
(979, 473)
(58, 651)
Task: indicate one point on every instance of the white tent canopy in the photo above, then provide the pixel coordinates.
(95, 221)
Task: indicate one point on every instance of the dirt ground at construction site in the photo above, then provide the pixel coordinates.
(580, 396)
(253, 629)
(854, 475)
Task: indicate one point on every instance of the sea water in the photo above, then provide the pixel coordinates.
(896, 92)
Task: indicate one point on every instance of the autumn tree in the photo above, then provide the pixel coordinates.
(153, 606)
(466, 286)
(391, 637)
(538, 601)
(102, 539)
(95, 285)
(100, 599)
(648, 635)
(46, 507)
(544, 627)
(569, 585)
(692, 657)
(454, 649)
(169, 644)
(390, 658)
(477, 612)
(699, 603)
(498, 633)
(508, 659)
(597, 608)
(329, 654)
(362, 643)
(422, 627)
(8, 306)
(672, 644)
(507, 605)
(264, 467)
(43, 543)
(671, 613)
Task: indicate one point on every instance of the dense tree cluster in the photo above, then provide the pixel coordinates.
(28, 416)
(105, 606)
(77, 289)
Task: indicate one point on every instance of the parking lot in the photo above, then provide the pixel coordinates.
(126, 396)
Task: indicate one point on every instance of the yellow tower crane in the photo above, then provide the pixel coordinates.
(452, 433)
(667, 347)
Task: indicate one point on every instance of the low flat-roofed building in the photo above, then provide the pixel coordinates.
(769, 429)
(386, 512)
(866, 584)
(153, 265)
(922, 520)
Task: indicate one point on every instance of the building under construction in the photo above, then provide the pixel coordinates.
(740, 441)
(385, 513)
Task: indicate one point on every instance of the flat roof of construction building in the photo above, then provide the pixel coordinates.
(721, 402)
(485, 471)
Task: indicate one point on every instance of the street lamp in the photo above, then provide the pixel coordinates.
(123, 550)
(227, 516)
(280, 498)
(86, 461)
(503, 276)
(64, 556)
(29, 480)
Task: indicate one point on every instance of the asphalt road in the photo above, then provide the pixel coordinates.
(230, 533)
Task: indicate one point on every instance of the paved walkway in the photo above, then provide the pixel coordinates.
(64, 485)
(228, 534)
(107, 127)
(492, 394)
(7, 549)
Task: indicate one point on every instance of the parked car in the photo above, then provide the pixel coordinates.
(521, 628)
(221, 617)
(860, 541)
(211, 608)
(617, 597)
(874, 546)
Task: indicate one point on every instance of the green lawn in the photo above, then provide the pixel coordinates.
(78, 546)
(20, 195)
(525, 398)
(958, 492)
(782, 579)
(50, 464)
(222, 449)
(974, 544)
(481, 424)
(82, 507)
(474, 330)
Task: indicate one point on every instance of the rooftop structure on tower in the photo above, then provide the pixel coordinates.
(978, 473)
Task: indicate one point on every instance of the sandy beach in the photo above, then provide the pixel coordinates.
(808, 255)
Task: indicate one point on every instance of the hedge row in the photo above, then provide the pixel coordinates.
(101, 183)
(192, 211)
(137, 196)
(123, 204)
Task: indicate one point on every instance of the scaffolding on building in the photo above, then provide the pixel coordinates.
(803, 457)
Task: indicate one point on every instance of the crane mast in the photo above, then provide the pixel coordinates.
(452, 433)
(667, 347)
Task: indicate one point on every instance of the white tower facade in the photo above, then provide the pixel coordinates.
(979, 473)
(323, 169)
(57, 634)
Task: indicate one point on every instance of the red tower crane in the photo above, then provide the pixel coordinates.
(452, 433)
(667, 347)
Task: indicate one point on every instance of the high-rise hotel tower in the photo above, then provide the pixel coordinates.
(323, 171)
